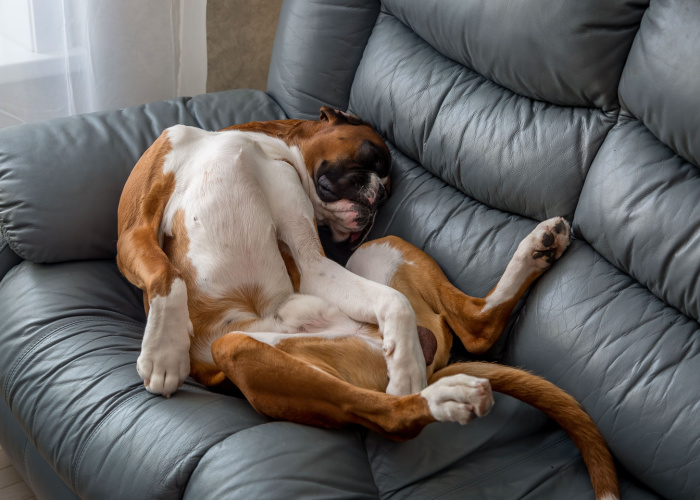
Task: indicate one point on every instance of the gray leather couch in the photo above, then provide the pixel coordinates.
(499, 114)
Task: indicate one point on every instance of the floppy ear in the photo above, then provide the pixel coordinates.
(335, 116)
(330, 114)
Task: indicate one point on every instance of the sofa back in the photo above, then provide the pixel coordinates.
(502, 113)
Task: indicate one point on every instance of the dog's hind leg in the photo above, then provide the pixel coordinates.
(478, 322)
(307, 384)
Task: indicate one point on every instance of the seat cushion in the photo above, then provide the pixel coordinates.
(473, 244)
(71, 334)
(285, 460)
(631, 360)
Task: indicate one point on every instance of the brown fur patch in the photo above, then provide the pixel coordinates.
(291, 265)
(141, 207)
(433, 297)
(348, 358)
(319, 141)
(283, 386)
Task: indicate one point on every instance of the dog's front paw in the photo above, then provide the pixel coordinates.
(405, 365)
(459, 398)
(164, 370)
(406, 374)
(546, 243)
(164, 363)
(403, 353)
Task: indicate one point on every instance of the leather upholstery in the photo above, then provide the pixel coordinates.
(317, 48)
(504, 150)
(498, 115)
(660, 84)
(560, 51)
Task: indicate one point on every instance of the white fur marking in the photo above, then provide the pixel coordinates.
(164, 361)
(510, 283)
(458, 398)
(377, 263)
(220, 187)
(523, 264)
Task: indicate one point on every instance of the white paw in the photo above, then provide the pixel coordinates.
(459, 398)
(164, 362)
(405, 365)
(546, 243)
(402, 350)
(164, 370)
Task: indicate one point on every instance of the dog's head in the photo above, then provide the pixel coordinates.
(349, 164)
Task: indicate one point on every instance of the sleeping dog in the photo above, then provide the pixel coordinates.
(219, 230)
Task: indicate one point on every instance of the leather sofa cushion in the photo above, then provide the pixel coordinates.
(631, 360)
(317, 48)
(61, 180)
(71, 337)
(71, 334)
(566, 52)
(515, 452)
(285, 460)
(639, 209)
(660, 84)
(502, 149)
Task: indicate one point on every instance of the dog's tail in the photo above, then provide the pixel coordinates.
(558, 405)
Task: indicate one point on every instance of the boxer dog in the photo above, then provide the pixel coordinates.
(219, 231)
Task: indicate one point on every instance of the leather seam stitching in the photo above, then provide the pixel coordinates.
(7, 386)
(84, 447)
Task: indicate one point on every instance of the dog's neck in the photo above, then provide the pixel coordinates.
(293, 132)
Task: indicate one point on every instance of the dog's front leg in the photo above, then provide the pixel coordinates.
(370, 302)
(361, 299)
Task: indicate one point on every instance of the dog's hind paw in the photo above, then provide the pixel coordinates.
(459, 398)
(546, 243)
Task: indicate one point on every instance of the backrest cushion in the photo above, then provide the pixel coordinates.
(621, 318)
(566, 52)
(317, 48)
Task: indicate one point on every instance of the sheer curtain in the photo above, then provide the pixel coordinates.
(62, 57)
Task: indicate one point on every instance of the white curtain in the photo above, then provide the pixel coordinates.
(63, 57)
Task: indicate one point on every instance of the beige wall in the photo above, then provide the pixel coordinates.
(239, 42)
